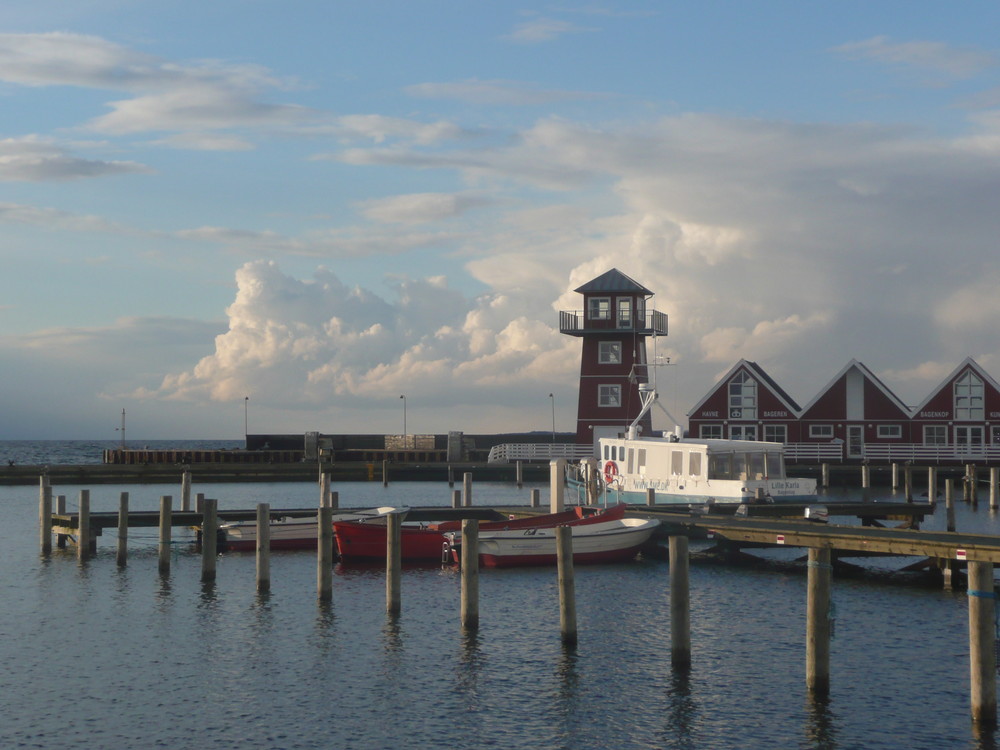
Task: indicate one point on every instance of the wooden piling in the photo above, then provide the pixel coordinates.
(121, 553)
(385, 473)
(567, 588)
(818, 622)
(334, 500)
(470, 574)
(994, 487)
(166, 511)
(680, 604)
(590, 477)
(467, 489)
(535, 500)
(324, 554)
(825, 475)
(895, 476)
(520, 475)
(45, 515)
(931, 484)
(557, 485)
(973, 484)
(209, 537)
(908, 483)
(949, 505)
(982, 643)
(61, 510)
(456, 498)
(186, 489)
(650, 496)
(393, 563)
(324, 490)
(263, 547)
(83, 532)
(866, 482)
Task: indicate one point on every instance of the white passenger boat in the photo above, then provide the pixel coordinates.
(686, 470)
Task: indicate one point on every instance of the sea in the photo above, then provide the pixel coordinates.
(97, 656)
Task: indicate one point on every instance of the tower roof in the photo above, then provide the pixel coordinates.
(613, 281)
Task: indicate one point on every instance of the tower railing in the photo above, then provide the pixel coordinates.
(575, 322)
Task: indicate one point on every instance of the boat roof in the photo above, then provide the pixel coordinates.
(720, 445)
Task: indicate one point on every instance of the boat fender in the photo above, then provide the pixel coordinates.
(445, 551)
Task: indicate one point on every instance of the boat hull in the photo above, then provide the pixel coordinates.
(366, 542)
(610, 541)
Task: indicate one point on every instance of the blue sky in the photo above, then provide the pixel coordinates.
(326, 205)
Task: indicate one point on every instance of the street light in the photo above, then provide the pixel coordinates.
(404, 416)
(122, 428)
(246, 421)
(551, 396)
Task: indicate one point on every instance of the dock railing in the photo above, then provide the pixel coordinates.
(893, 453)
(507, 452)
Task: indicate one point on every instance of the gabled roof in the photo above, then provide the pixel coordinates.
(613, 281)
(868, 375)
(967, 362)
(755, 370)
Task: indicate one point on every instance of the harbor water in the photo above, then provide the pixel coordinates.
(100, 657)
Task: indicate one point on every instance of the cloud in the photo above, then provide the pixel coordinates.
(420, 208)
(543, 29)
(33, 159)
(165, 96)
(52, 218)
(498, 92)
(307, 343)
(936, 57)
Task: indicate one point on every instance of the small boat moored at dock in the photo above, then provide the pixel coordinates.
(615, 540)
(288, 532)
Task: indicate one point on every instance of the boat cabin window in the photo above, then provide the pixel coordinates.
(720, 466)
(621, 452)
(739, 465)
(756, 465)
(694, 464)
(640, 461)
(631, 458)
(774, 465)
(676, 462)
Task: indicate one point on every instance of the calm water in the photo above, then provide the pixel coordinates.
(99, 657)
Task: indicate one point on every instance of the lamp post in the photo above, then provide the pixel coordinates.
(122, 428)
(404, 417)
(246, 421)
(552, 396)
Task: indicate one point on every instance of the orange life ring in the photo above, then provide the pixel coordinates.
(610, 472)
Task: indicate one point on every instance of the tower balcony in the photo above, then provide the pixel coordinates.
(575, 323)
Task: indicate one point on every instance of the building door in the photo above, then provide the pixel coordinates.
(968, 440)
(855, 441)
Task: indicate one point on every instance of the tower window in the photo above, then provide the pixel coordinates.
(610, 353)
(609, 395)
(599, 308)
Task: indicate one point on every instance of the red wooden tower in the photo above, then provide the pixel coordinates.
(614, 325)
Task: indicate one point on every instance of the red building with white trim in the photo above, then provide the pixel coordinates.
(746, 404)
(614, 325)
(855, 409)
(962, 412)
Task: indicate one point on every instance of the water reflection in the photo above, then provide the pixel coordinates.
(471, 663)
(985, 737)
(821, 724)
(682, 711)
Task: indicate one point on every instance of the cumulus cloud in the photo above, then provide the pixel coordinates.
(309, 342)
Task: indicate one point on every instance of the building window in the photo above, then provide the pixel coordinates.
(710, 432)
(890, 431)
(969, 397)
(821, 431)
(742, 397)
(599, 308)
(624, 312)
(742, 432)
(935, 434)
(609, 395)
(609, 353)
(776, 433)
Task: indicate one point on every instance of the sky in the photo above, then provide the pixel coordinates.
(281, 217)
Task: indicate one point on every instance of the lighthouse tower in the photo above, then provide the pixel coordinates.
(614, 325)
